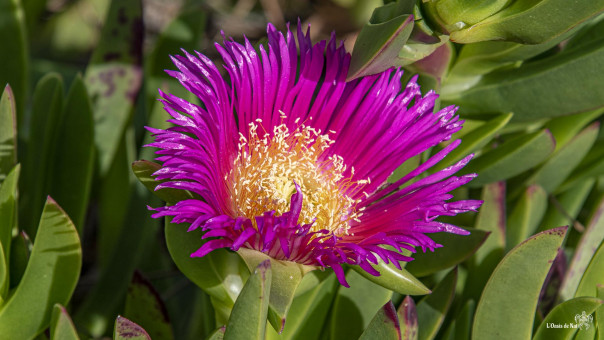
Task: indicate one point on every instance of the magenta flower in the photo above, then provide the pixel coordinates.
(291, 160)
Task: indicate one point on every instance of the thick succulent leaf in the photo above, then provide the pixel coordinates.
(562, 162)
(384, 325)
(378, 45)
(591, 239)
(591, 166)
(530, 22)
(61, 326)
(286, 276)
(594, 274)
(474, 140)
(8, 132)
(463, 323)
(248, 318)
(599, 318)
(526, 215)
(217, 334)
(145, 307)
(565, 313)
(510, 296)
(74, 155)
(354, 307)
(492, 218)
(453, 15)
(398, 280)
(456, 248)
(436, 64)
(221, 274)
(8, 212)
(35, 182)
(407, 316)
(144, 170)
(51, 276)
(569, 75)
(312, 280)
(127, 330)
(114, 75)
(4, 271)
(567, 205)
(511, 158)
(308, 312)
(432, 309)
(13, 54)
(566, 128)
(20, 252)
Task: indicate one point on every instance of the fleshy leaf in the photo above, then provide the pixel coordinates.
(248, 318)
(398, 280)
(286, 276)
(456, 248)
(567, 206)
(526, 215)
(74, 155)
(566, 128)
(114, 75)
(354, 307)
(593, 274)
(8, 132)
(511, 158)
(591, 239)
(384, 325)
(20, 252)
(145, 307)
(13, 54)
(454, 15)
(144, 170)
(529, 22)
(381, 40)
(432, 309)
(51, 276)
(221, 274)
(8, 218)
(128, 330)
(565, 313)
(61, 326)
(407, 316)
(510, 296)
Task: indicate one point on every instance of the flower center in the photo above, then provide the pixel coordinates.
(268, 167)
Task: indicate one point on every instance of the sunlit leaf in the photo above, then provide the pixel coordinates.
(384, 325)
(398, 280)
(565, 313)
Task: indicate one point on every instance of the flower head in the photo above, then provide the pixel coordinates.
(289, 159)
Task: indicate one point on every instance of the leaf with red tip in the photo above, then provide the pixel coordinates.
(384, 325)
(407, 316)
(128, 330)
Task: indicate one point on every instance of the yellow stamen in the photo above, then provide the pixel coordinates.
(266, 168)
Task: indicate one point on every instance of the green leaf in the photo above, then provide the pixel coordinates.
(378, 45)
(354, 307)
(566, 128)
(113, 77)
(435, 64)
(37, 167)
(398, 280)
(529, 22)
(562, 162)
(4, 271)
(384, 325)
(309, 311)
(565, 313)
(221, 274)
(474, 140)
(432, 309)
(13, 54)
(456, 248)
(463, 323)
(407, 316)
(591, 166)
(51, 276)
(217, 334)
(592, 238)
(145, 307)
(61, 326)
(511, 158)
(567, 205)
(286, 276)
(248, 318)
(20, 252)
(74, 155)
(521, 90)
(8, 132)
(144, 170)
(511, 294)
(599, 319)
(526, 215)
(128, 330)
(8, 212)
(593, 274)
(451, 14)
